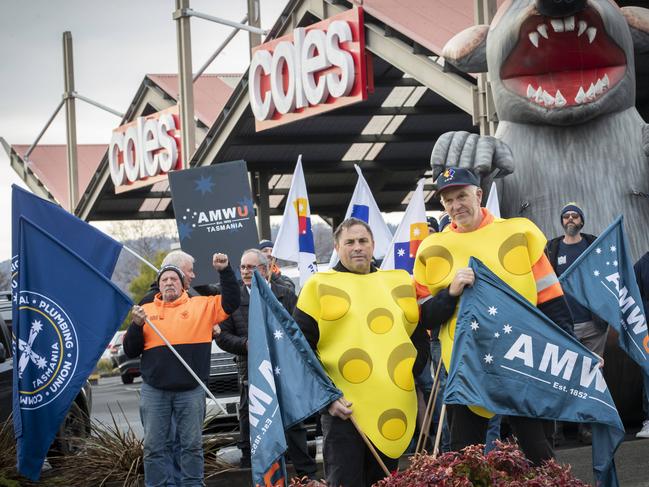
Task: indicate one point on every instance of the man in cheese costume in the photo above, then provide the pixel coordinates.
(513, 250)
(359, 320)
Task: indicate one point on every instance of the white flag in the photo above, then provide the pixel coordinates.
(294, 241)
(492, 201)
(364, 207)
(412, 230)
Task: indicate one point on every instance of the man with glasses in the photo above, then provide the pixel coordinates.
(234, 339)
(589, 329)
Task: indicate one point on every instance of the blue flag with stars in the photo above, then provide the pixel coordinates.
(511, 359)
(286, 381)
(60, 336)
(602, 280)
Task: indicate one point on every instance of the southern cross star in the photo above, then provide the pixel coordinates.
(507, 328)
(492, 310)
(474, 325)
(278, 335)
(613, 248)
(596, 273)
(497, 335)
(598, 250)
(488, 358)
(277, 370)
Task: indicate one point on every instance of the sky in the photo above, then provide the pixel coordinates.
(116, 43)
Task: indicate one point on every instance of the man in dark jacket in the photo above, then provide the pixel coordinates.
(562, 252)
(233, 338)
(276, 276)
(641, 269)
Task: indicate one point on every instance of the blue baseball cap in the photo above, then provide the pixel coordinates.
(455, 176)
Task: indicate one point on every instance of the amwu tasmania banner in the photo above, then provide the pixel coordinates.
(214, 212)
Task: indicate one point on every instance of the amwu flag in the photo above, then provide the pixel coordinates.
(68, 311)
(511, 359)
(294, 241)
(287, 382)
(602, 280)
(412, 230)
(363, 206)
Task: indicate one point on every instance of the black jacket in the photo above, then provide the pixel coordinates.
(234, 330)
(641, 269)
(552, 247)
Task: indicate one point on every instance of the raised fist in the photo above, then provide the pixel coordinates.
(219, 261)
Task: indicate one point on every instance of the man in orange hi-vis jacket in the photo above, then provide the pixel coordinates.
(169, 390)
(513, 250)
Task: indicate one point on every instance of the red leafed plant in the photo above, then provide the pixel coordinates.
(505, 465)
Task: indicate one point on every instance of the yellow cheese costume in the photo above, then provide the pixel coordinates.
(511, 248)
(365, 322)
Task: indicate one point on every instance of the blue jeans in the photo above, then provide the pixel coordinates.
(157, 407)
(493, 433)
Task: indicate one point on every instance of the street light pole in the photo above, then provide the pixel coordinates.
(70, 120)
(185, 79)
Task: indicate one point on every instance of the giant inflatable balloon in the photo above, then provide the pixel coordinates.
(563, 80)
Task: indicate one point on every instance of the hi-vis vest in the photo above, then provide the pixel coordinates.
(365, 322)
(509, 247)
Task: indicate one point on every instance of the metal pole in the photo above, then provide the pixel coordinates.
(218, 50)
(264, 205)
(484, 11)
(47, 125)
(97, 104)
(254, 21)
(70, 119)
(186, 99)
(188, 12)
(142, 259)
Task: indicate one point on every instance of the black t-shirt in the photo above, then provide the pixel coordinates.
(566, 255)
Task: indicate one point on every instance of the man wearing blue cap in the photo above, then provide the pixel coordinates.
(562, 252)
(474, 231)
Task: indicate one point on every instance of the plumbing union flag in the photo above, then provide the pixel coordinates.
(511, 359)
(602, 280)
(412, 230)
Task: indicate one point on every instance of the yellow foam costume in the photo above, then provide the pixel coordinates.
(365, 322)
(509, 247)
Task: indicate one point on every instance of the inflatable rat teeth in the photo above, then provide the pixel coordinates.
(563, 80)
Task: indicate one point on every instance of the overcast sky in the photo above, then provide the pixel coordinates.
(116, 43)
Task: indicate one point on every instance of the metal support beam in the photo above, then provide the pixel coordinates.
(47, 125)
(484, 112)
(450, 86)
(186, 12)
(263, 205)
(70, 121)
(254, 17)
(219, 50)
(97, 104)
(186, 98)
(335, 138)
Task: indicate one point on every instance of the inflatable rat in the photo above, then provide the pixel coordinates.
(563, 79)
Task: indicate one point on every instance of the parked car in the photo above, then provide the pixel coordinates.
(114, 346)
(221, 416)
(129, 368)
(76, 423)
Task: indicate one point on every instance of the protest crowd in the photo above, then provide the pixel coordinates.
(451, 332)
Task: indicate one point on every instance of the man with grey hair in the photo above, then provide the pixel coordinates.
(234, 339)
(184, 262)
